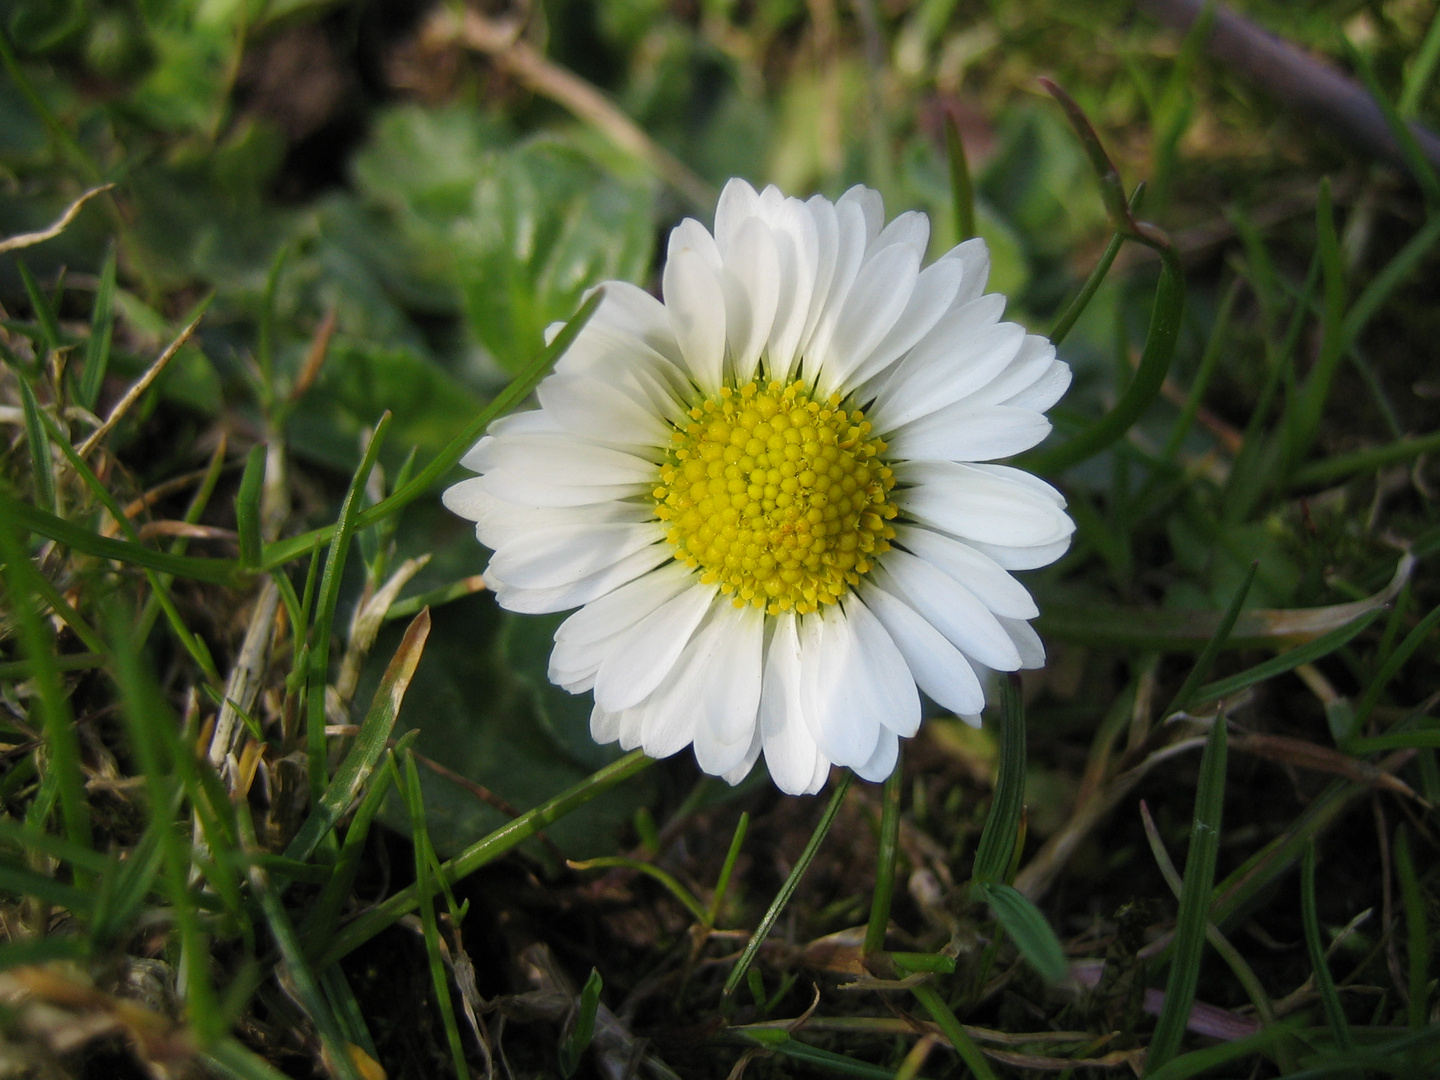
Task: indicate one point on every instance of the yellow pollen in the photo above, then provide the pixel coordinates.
(781, 499)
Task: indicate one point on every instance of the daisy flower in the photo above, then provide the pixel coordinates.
(771, 495)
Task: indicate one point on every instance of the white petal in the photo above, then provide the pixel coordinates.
(849, 253)
(584, 639)
(965, 432)
(882, 762)
(752, 291)
(742, 770)
(1033, 359)
(934, 292)
(644, 654)
(790, 753)
(979, 573)
(911, 228)
(881, 292)
(631, 310)
(738, 201)
(939, 668)
(1023, 558)
(1044, 391)
(694, 297)
(827, 249)
(887, 674)
(1027, 642)
(955, 360)
(951, 608)
(563, 459)
(594, 409)
(974, 256)
(727, 702)
(844, 728)
(978, 505)
(581, 591)
(797, 249)
(604, 726)
(552, 557)
(499, 522)
(871, 206)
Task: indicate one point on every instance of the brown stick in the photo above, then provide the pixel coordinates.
(1298, 80)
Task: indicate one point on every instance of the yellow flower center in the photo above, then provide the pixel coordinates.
(779, 498)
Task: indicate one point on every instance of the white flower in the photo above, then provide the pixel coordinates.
(764, 495)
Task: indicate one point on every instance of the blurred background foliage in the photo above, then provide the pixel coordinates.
(427, 196)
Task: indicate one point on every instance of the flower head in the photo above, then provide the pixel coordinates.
(770, 495)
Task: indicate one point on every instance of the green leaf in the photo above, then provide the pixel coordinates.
(580, 1035)
(1028, 929)
(1002, 826)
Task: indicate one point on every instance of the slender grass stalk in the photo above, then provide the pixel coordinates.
(56, 716)
(487, 850)
(1329, 998)
(722, 883)
(1194, 914)
(787, 890)
(1417, 931)
(997, 839)
(318, 675)
(1213, 647)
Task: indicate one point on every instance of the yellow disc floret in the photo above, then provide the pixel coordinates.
(781, 499)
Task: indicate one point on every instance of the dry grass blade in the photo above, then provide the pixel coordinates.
(1307, 755)
(59, 225)
(142, 384)
(502, 41)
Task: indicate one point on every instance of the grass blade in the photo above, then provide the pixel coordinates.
(1213, 647)
(997, 839)
(1194, 914)
(369, 744)
(1286, 661)
(78, 538)
(885, 861)
(962, 189)
(430, 931)
(329, 596)
(42, 466)
(247, 508)
(579, 1039)
(788, 888)
(102, 332)
(1416, 927)
(487, 850)
(57, 718)
(1329, 999)
(1029, 929)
